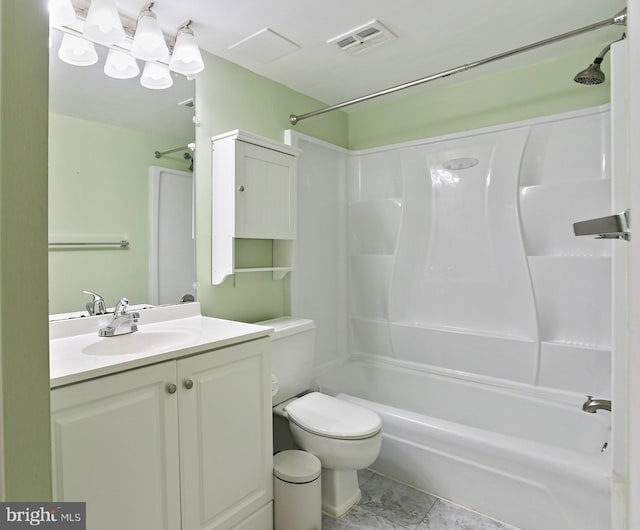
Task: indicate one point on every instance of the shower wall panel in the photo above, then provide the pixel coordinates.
(462, 254)
(319, 279)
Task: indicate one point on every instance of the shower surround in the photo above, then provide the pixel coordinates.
(477, 270)
(477, 322)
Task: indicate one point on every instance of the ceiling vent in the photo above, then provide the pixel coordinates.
(363, 38)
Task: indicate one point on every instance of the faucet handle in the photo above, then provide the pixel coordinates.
(121, 307)
(97, 305)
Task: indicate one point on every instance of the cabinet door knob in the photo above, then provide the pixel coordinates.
(188, 384)
(171, 388)
(241, 188)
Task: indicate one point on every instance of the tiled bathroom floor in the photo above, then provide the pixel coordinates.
(390, 505)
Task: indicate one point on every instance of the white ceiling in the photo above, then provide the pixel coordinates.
(431, 36)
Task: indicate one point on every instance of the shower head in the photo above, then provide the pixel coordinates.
(592, 75)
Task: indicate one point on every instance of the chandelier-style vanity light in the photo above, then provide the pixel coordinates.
(103, 25)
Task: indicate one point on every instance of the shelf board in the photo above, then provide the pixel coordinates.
(278, 272)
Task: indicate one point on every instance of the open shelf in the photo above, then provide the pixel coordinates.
(278, 272)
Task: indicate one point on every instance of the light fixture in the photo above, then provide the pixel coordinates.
(77, 51)
(148, 41)
(186, 58)
(103, 24)
(61, 13)
(156, 76)
(120, 65)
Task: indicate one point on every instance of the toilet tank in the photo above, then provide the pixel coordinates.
(291, 354)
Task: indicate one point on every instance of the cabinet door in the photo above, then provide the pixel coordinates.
(265, 193)
(115, 446)
(225, 435)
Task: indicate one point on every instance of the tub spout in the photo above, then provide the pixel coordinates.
(592, 405)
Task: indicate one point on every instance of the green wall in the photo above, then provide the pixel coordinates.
(527, 92)
(99, 189)
(24, 362)
(229, 97)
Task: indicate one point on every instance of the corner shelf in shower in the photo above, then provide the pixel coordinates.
(570, 345)
(451, 330)
(573, 302)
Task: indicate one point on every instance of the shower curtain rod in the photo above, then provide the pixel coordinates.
(159, 154)
(619, 19)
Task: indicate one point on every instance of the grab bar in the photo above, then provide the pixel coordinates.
(616, 226)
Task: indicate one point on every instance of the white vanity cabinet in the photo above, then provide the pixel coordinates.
(253, 197)
(184, 444)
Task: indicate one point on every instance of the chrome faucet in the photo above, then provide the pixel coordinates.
(96, 306)
(592, 405)
(122, 322)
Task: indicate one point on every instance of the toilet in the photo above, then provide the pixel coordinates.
(344, 436)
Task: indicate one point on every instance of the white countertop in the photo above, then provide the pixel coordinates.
(77, 353)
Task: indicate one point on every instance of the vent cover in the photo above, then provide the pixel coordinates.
(363, 38)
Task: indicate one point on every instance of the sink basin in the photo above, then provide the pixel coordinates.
(139, 342)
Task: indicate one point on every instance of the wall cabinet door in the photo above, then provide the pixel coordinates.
(264, 193)
(225, 435)
(115, 446)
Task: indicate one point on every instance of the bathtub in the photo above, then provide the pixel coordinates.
(526, 456)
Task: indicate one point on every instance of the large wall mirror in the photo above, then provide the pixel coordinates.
(103, 137)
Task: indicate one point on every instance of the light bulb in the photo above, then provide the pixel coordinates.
(61, 13)
(148, 41)
(156, 76)
(77, 51)
(120, 65)
(186, 58)
(103, 24)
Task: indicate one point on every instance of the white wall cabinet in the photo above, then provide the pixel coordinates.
(254, 191)
(145, 454)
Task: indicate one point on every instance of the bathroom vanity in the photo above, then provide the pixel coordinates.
(165, 428)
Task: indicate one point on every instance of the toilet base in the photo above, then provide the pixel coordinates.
(340, 491)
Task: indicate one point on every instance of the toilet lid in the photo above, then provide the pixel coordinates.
(334, 418)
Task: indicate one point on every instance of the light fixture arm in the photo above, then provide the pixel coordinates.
(146, 11)
(185, 28)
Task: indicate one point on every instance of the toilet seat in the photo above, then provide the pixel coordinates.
(333, 418)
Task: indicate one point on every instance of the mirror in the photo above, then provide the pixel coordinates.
(103, 138)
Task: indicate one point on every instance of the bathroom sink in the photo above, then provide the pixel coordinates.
(78, 353)
(139, 342)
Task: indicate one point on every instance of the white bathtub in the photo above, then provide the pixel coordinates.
(525, 456)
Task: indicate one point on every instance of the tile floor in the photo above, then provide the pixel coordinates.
(390, 505)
